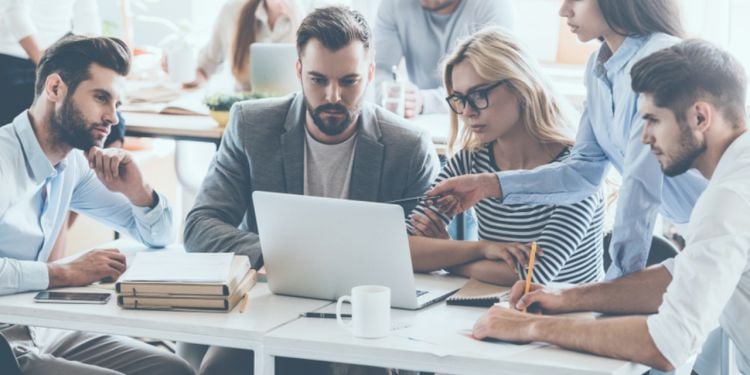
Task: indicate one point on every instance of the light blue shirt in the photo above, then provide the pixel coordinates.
(29, 222)
(423, 38)
(610, 132)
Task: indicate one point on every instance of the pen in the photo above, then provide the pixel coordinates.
(322, 315)
(417, 198)
(530, 271)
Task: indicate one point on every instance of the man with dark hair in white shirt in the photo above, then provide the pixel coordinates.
(51, 161)
(693, 103)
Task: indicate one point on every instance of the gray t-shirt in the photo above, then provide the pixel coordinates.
(423, 38)
(328, 168)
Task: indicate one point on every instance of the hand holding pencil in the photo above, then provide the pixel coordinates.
(525, 293)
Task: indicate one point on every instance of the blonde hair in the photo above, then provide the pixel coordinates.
(496, 55)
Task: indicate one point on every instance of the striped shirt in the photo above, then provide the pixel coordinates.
(570, 235)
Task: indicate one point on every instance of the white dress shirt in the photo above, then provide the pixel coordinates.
(35, 197)
(711, 277)
(46, 20)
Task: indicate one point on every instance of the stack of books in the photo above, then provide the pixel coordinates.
(170, 280)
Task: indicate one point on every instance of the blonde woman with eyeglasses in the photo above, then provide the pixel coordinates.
(511, 120)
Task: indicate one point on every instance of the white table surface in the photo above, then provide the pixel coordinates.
(436, 340)
(264, 312)
(431, 339)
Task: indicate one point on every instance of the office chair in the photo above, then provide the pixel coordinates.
(8, 361)
(661, 250)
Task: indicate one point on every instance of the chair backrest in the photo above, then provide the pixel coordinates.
(8, 361)
(661, 250)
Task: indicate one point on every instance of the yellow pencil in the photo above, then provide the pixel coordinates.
(530, 270)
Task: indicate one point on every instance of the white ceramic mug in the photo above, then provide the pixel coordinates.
(371, 311)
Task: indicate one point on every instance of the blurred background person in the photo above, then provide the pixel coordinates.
(423, 32)
(241, 23)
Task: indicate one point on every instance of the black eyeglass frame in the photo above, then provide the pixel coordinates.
(467, 99)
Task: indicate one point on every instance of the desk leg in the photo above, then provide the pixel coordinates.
(264, 364)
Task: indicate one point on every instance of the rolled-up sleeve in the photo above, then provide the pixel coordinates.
(704, 276)
(18, 19)
(151, 226)
(22, 275)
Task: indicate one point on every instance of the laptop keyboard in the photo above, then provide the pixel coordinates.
(421, 292)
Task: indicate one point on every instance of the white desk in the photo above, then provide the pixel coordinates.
(435, 342)
(265, 312)
(270, 326)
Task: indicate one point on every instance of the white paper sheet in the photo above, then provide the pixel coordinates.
(454, 336)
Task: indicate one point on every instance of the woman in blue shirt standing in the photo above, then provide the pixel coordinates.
(609, 133)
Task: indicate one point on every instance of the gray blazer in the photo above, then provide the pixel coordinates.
(263, 149)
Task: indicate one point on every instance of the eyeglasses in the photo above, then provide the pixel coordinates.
(477, 99)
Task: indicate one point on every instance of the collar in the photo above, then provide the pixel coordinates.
(608, 62)
(734, 152)
(40, 167)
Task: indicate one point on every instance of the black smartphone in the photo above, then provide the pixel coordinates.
(71, 297)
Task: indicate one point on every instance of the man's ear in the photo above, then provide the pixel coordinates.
(298, 68)
(704, 115)
(54, 88)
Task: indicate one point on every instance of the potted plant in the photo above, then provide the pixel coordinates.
(220, 104)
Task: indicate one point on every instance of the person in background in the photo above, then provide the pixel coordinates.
(27, 28)
(423, 32)
(693, 103)
(512, 120)
(241, 23)
(51, 161)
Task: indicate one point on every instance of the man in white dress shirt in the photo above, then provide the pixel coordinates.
(51, 161)
(693, 102)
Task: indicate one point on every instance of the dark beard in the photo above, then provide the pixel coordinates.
(69, 127)
(332, 127)
(690, 149)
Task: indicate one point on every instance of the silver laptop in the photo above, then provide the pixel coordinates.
(272, 68)
(322, 247)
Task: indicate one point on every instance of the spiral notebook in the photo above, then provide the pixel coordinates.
(480, 294)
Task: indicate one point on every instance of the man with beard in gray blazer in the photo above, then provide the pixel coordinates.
(326, 141)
